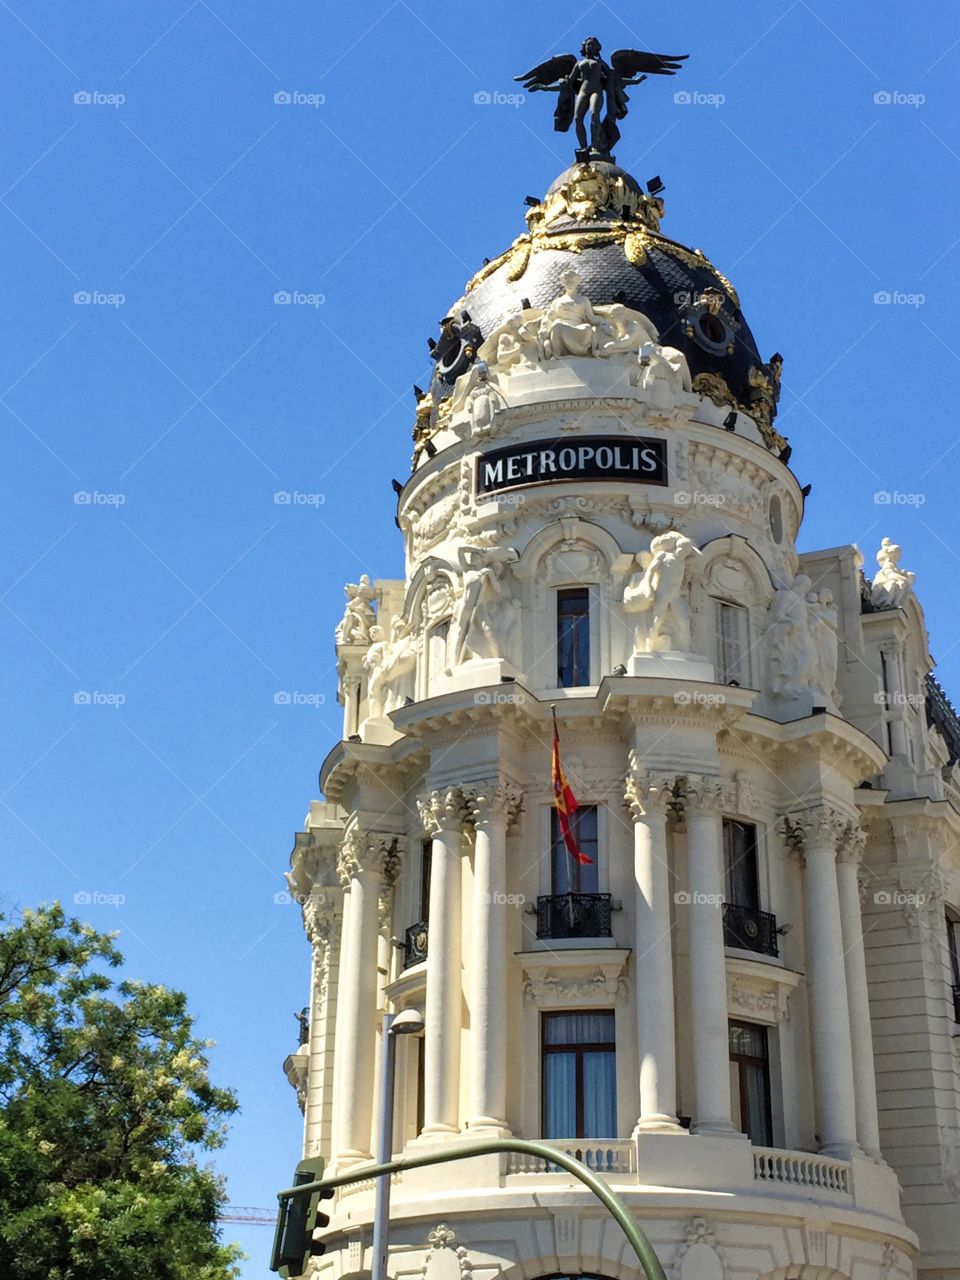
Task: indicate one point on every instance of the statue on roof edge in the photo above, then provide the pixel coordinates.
(588, 84)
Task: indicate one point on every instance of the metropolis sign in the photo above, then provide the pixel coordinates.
(624, 458)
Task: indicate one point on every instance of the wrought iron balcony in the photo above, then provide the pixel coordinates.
(574, 915)
(749, 929)
(956, 1003)
(415, 944)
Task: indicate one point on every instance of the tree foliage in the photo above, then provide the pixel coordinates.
(105, 1104)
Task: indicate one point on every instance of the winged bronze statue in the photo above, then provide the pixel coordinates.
(587, 85)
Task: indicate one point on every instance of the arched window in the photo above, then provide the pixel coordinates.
(732, 643)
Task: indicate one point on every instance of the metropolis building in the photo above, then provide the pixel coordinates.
(743, 1010)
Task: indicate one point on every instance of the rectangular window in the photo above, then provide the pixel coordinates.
(732, 644)
(426, 857)
(579, 1075)
(741, 873)
(953, 944)
(573, 637)
(568, 875)
(750, 1070)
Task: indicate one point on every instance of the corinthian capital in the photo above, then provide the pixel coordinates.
(442, 810)
(851, 844)
(805, 829)
(492, 800)
(647, 793)
(320, 916)
(706, 791)
(378, 851)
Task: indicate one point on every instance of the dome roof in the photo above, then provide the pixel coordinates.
(596, 220)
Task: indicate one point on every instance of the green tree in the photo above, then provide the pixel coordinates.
(105, 1104)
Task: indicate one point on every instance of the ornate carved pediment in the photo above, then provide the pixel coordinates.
(759, 992)
(555, 978)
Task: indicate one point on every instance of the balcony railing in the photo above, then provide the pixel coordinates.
(574, 915)
(415, 944)
(749, 929)
(602, 1155)
(799, 1169)
(956, 1003)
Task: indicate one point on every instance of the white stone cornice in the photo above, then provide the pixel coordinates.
(444, 809)
(647, 793)
(492, 800)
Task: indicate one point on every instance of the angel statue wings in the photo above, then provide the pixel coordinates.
(588, 84)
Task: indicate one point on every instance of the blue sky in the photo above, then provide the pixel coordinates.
(180, 196)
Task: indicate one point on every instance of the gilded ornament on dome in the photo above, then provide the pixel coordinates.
(633, 249)
(517, 260)
(715, 388)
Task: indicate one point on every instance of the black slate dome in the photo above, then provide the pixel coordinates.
(596, 219)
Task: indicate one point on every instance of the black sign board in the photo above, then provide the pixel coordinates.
(624, 458)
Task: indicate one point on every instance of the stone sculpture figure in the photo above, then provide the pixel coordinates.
(588, 84)
(482, 399)
(358, 616)
(824, 618)
(891, 584)
(570, 326)
(374, 664)
(400, 664)
(794, 662)
(477, 630)
(662, 373)
(656, 595)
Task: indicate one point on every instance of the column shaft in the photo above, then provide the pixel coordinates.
(356, 1028)
(488, 987)
(864, 1076)
(708, 977)
(832, 1046)
(656, 1030)
(441, 1090)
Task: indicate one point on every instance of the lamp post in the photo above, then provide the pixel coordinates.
(408, 1022)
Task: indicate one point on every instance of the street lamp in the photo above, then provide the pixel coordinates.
(407, 1023)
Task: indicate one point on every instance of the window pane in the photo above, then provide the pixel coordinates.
(599, 1095)
(731, 643)
(740, 864)
(570, 876)
(748, 1040)
(560, 1095)
(426, 856)
(755, 1103)
(953, 938)
(579, 1028)
(573, 637)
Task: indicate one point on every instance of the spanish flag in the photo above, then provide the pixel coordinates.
(564, 801)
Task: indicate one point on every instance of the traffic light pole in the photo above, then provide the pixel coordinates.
(642, 1247)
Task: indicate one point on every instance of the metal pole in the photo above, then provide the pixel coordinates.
(381, 1213)
(646, 1255)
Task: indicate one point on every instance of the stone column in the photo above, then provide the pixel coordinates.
(442, 813)
(648, 797)
(896, 703)
(705, 798)
(492, 806)
(361, 867)
(855, 965)
(321, 922)
(817, 832)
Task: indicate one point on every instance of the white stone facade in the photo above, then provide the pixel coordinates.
(799, 713)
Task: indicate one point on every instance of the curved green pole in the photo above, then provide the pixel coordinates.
(609, 1199)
